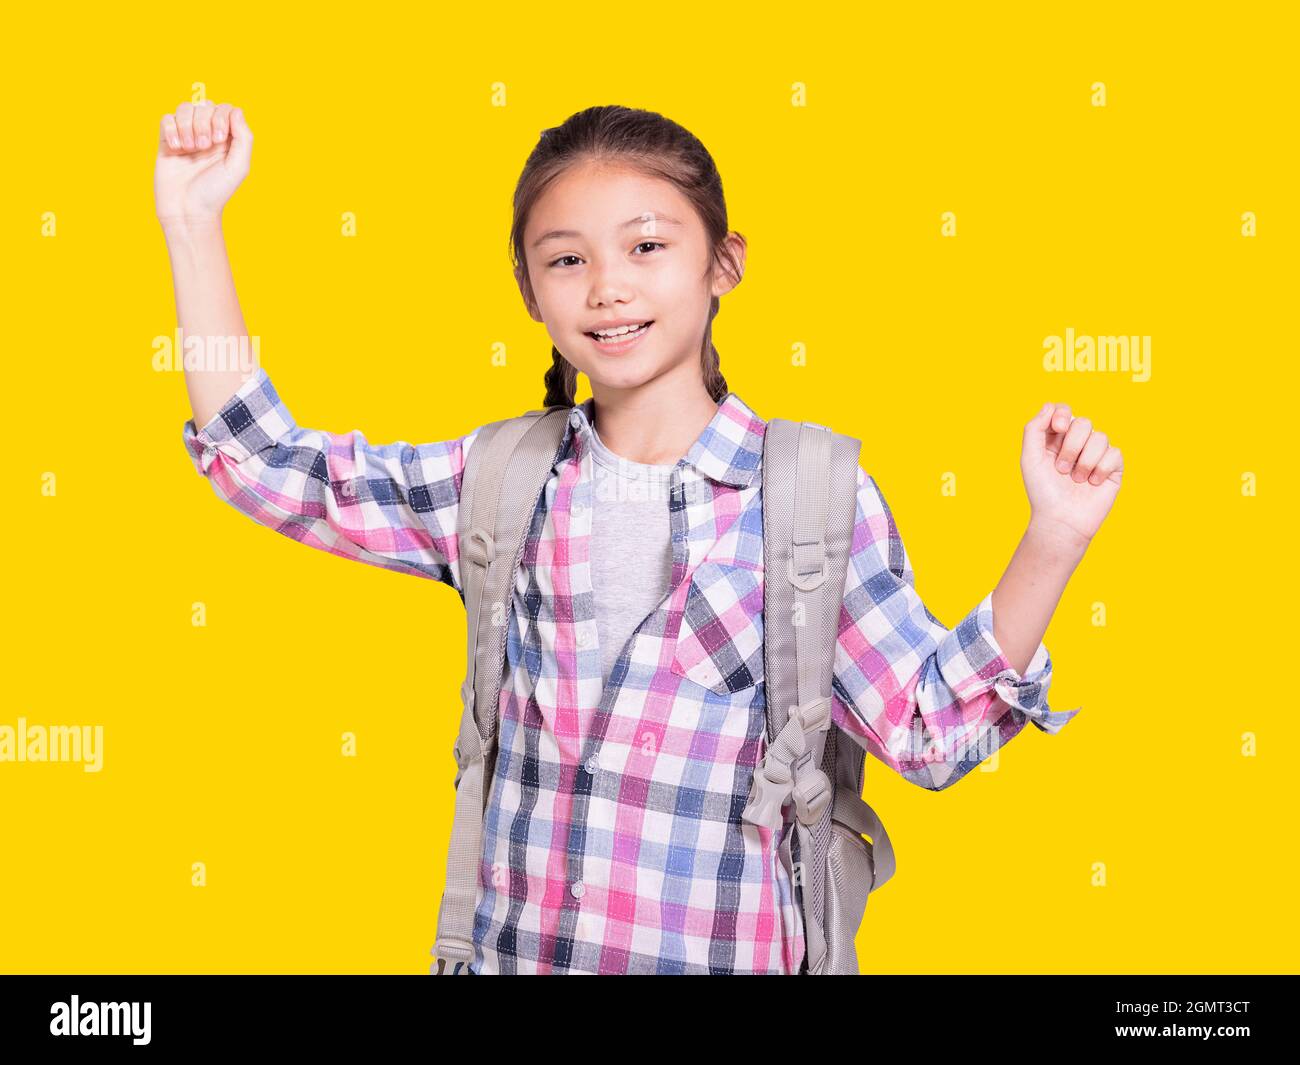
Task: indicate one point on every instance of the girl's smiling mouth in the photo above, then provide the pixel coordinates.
(617, 344)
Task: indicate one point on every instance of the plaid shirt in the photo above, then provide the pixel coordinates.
(613, 841)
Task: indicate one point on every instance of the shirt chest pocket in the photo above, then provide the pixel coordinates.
(720, 644)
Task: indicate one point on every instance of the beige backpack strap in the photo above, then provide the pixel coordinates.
(809, 510)
(506, 470)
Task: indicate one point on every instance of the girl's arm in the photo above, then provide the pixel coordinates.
(1026, 596)
(389, 505)
(204, 153)
(392, 505)
(928, 701)
(1072, 474)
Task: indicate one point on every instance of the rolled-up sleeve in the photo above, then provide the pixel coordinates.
(928, 701)
(393, 505)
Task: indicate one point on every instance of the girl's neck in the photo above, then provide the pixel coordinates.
(655, 423)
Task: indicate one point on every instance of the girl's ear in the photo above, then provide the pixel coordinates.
(727, 273)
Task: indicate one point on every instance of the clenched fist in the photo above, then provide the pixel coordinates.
(203, 154)
(1072, 473)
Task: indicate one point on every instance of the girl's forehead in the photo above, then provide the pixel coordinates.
(608, 198)
(609, 174)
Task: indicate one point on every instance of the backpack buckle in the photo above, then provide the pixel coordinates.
(768, 794)
(814, 715)
(812, 794)
(450, 955)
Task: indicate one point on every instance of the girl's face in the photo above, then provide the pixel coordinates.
(607, 244)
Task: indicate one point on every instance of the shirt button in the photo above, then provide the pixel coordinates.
(577, 890)
(575, 419)
(591, 766)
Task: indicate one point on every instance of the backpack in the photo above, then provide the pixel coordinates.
(809, 507)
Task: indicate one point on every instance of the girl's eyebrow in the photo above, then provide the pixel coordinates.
(649, 217)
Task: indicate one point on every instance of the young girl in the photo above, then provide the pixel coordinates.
(632, 705)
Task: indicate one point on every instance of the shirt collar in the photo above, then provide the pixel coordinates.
(729, 449)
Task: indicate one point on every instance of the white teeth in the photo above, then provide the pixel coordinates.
(620, 331)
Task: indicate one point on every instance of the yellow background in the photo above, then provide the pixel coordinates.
(222, 743)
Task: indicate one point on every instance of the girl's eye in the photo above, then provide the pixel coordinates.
(644, 243)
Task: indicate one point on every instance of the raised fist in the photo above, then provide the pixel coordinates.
(204, 152)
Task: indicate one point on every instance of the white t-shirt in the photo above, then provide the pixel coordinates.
(631, 545)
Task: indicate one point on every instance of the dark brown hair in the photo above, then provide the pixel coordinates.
(654, 145)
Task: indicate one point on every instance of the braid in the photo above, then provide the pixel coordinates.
(710, 367)
(561, 381)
